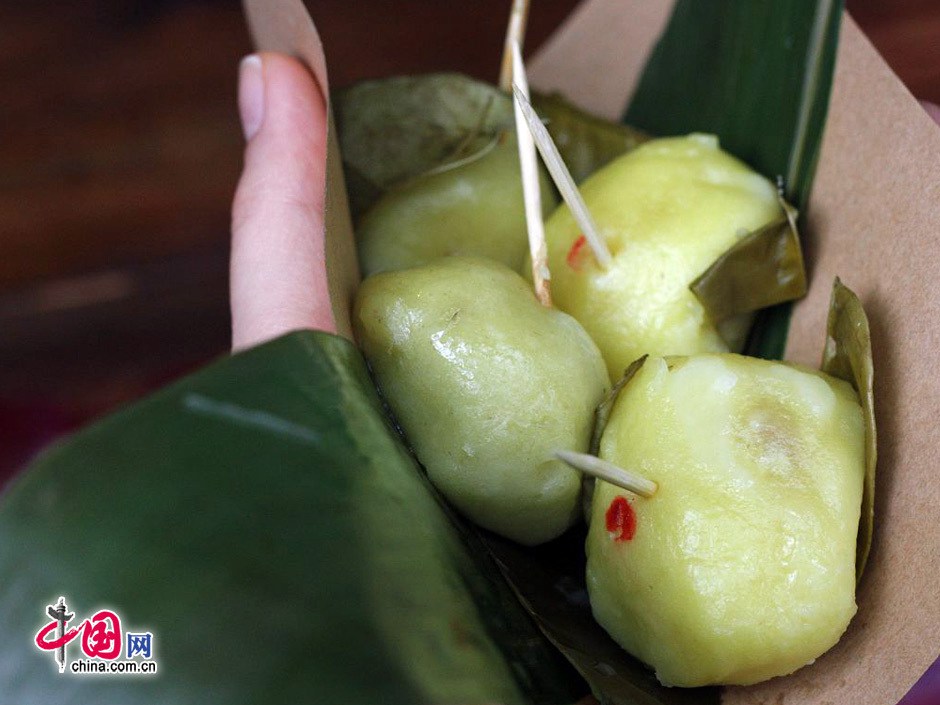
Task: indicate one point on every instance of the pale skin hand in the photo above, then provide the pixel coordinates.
(278, 275)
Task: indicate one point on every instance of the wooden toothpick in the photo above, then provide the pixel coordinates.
(529, 167)
(608, 472)
(515, 34)
(562, 178)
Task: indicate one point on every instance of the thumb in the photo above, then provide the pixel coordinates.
(278, 277)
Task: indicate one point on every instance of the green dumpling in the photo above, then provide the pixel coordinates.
(667, 210)
(486, 384)
(470, 208)
(742, 566)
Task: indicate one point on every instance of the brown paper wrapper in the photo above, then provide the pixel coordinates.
(874, 220)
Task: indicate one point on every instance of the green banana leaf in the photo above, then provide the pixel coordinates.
(396, 129)
(758, 75)
(262, 519)
(847, 355)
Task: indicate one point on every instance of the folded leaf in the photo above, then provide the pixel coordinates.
(602, 413)
(761, 269)
(263, 520)
(601, 417)
(396, 129)
(848, 356)
(550, 583)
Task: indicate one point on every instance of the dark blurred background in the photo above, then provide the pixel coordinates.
(121, 149)
(120, 153)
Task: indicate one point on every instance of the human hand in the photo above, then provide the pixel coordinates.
(278, 274)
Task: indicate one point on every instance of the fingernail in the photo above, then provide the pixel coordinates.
(251, 94)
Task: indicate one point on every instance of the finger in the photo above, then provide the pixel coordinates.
(278, 275)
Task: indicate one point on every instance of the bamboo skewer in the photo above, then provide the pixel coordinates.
(562, 178)
(530, 132)
(515, 34)
(608, 472)
(528, 163)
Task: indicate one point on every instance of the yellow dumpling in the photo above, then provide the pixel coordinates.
(742, 566)
(486, 383)
(667, 210)
(472, 208)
